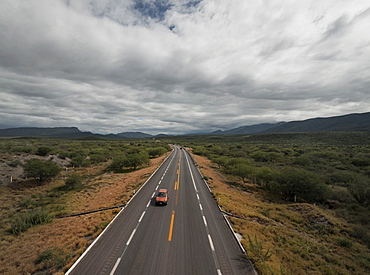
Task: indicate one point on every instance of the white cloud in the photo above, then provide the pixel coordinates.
(181, 66)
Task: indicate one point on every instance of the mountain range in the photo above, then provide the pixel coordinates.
(349, 123)
(71, 132)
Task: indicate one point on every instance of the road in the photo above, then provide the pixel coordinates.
(187, 236)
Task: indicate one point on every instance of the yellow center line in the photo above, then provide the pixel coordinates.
(177, 182)
(171, 226)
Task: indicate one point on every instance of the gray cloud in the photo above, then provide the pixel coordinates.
(180, 66)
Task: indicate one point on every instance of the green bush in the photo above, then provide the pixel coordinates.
(303, 184)
(41, 170)
(256, 250)
(360, 189)
(43, 151)
(53, 257)
(361, 233)
(156, 152)
(243, 171)
(117, 164)
(29, 219)
(24, 149)
(344, 242)
(74, 181)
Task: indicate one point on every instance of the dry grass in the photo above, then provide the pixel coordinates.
(301, 238)
(67, 238)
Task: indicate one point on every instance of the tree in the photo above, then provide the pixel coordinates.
(136, 160)
(301, 183)
(221, 161)
(43, 151)
(156, 152)
(129, 161)
(359, 187)
(243, 171)
(77, 160)
(74, 181)
(117, 164)
(41, 170)
(267, 177)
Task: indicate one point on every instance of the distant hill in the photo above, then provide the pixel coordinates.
(252, 129)
(133, 135)
(43, 132)
(70, 132)
(349, 123)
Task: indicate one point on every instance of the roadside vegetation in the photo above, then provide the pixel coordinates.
(300, 201)
(44, 179)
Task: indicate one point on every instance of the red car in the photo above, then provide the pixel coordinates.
(162, 197)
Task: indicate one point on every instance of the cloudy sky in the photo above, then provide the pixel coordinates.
(180, 66)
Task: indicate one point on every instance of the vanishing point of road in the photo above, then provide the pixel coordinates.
(188, 236)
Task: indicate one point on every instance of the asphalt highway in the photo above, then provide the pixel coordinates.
(187, 236)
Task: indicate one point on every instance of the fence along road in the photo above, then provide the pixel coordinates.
(187, 236)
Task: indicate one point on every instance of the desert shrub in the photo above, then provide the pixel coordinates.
(98, 155)
(29, 219)
(136, 160)
(27, 203)
(341, 177)
(199, 150)
(363, 260)
(156, 152)
(242, 170)
(360, 189)
(41, 170)
(15, 163)
(257, 252)
(361, 233)
(260, 156)
(302, 161)
(52, 257)
(117, 164)
(43, 151)
(221, 161)
(301, 183)
(74, 181)
(344, 242)
(77, 160)
(267, 177)
(361, 161)
(24, 149)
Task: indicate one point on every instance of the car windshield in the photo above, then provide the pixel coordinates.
(162, 194)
